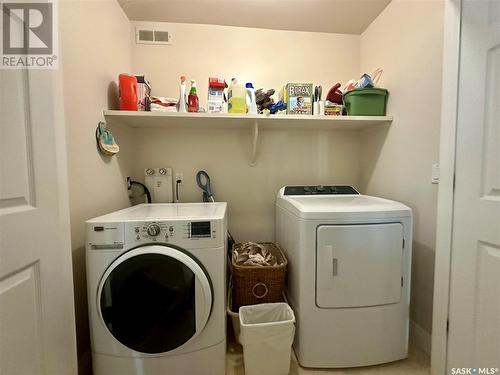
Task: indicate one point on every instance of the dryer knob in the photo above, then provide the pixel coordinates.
(154, 230)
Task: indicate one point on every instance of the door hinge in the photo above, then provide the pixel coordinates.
(454, 180)
(402, 283)
(447, 326)
(403, 243)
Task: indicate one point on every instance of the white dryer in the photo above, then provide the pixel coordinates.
(349, 258)
(156, 289)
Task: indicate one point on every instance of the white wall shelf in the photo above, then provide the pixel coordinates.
(166, 120)
(255, 123)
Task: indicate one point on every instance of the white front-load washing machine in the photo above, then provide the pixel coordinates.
(156, 290)
(349, 258)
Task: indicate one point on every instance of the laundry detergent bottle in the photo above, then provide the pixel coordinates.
(251, 102)
(237, 102)
(193, 102)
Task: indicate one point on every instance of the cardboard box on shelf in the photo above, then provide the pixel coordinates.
(299, 98)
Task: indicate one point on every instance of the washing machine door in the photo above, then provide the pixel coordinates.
(154, 299)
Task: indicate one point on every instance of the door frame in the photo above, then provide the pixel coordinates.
(447, 150)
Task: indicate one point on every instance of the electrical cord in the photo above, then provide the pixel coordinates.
(144, 187)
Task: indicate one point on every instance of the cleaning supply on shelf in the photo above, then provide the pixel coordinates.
(365, 81)
(215, 102)
(317, 98)
(181, 105)
(366, 102)
(350, 85)
(334, 94)
(264, 99)
(321, 107)
(193, 102)
(128, 92)
(162, 104)
(333, 109)
(298, 98)
(251, 101)
(143, 94)
(237, 98)
(278, 107)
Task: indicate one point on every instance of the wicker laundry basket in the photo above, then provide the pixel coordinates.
(259, 284)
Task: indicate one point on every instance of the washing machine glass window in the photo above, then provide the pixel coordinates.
(154, 299)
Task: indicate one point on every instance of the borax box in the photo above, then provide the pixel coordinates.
(299, 98)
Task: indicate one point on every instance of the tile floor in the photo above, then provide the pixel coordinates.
(416, 364)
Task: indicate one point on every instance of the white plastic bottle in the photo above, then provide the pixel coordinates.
(181, 104)
(251, 102)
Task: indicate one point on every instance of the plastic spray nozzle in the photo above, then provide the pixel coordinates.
(183, 78)
(193, 87)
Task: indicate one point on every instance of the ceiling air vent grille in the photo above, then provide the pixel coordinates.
(143, 36)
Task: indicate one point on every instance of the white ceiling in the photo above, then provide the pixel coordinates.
(331, 16)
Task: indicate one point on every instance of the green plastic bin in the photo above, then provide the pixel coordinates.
(366, 102)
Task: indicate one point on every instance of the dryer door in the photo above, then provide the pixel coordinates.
(154, 299)
(359, 265)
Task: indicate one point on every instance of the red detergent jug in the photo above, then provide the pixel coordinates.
(128, 92)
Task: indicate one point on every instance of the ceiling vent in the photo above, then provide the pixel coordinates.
(144, 36)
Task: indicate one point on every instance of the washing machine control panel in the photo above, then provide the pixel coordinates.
(189, 234)
(320, 190)
(153, 230)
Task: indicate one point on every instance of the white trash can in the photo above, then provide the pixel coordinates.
(266, 334)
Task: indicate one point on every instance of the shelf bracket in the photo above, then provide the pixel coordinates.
(255, 140)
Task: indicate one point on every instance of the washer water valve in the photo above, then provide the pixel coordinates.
(160, 184)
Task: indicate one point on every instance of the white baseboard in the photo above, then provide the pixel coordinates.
(420, 337)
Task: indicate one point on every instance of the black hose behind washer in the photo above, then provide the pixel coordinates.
(144, 187)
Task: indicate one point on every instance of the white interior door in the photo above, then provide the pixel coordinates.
(474, 313)
(37, 328)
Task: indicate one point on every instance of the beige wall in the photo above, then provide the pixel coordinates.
(406, 41)
(95, 48)
(268, 59)
(285, 157)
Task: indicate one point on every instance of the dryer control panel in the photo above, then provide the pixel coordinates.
(320, 190)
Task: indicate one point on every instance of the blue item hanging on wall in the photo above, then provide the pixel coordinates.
(105, 141)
